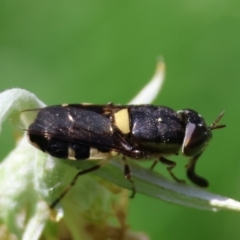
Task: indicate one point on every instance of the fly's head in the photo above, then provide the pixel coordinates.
(196, 138)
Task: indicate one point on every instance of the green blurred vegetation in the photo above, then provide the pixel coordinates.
(102, 51)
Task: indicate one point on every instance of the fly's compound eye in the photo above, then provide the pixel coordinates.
(197, 134)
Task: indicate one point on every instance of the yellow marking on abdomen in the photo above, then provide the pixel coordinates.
(122, 120)
(71, 153)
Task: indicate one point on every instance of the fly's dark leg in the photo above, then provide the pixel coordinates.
(192, 175)
(171, 165)
(128, 176)
(74, 180)
(153, 165)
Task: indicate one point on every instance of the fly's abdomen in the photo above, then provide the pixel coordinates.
(65, 132)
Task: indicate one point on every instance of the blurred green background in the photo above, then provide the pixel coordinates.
(102, 51)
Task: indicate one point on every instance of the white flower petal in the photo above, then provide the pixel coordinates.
(16, 100)
(37, 222)
(152, 89)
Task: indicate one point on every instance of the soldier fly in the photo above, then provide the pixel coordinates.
(84, 131)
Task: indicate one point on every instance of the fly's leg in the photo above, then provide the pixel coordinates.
(154, 164)
(171, 164)
(200, 181)
(74, 180)
(128, 176)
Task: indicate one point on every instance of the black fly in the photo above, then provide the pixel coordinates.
(83, 131)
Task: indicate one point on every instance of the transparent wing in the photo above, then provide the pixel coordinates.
(85, 124)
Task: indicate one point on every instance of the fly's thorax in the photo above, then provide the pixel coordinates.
(156, 128)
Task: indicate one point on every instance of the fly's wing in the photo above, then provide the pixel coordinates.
(60, 129)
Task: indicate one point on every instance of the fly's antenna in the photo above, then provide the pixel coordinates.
(214, 125)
